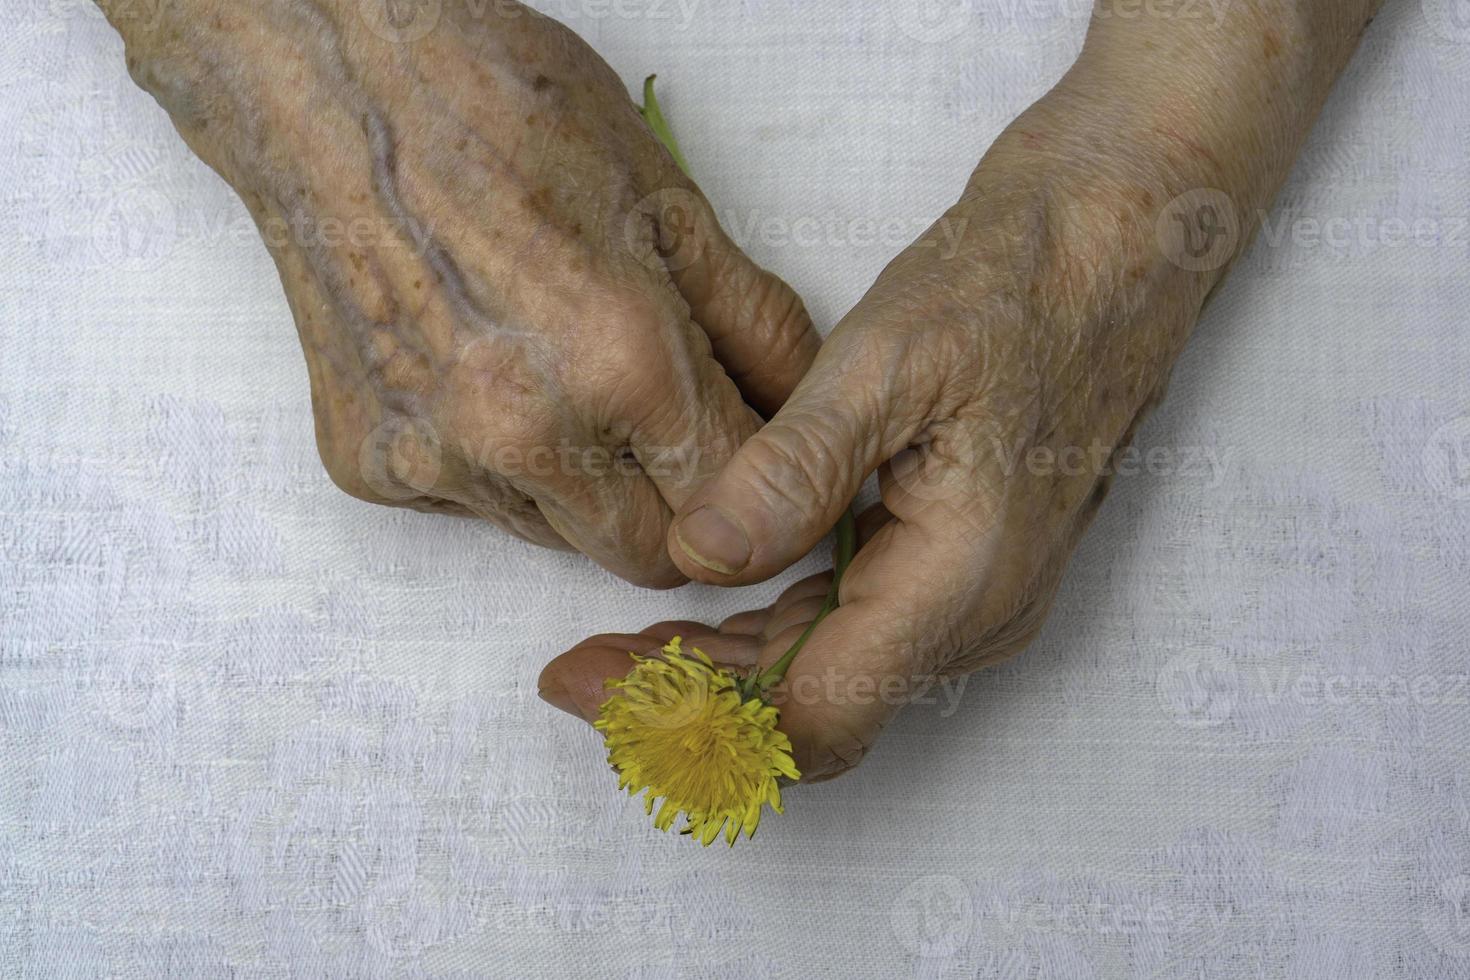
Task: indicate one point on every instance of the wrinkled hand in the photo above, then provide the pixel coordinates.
(989, 387)
(513, 305)
(574, 681)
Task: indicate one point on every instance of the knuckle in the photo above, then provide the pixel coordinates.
(630, 362)
(482, 421)
(340, 445)
(397, 461)
(625, 352)
(499, 442)
(625, 304)
(635, 318)
(346, 476)
(837, 750)
(786, 469)
(684, 230)
(789, 327)
(784, 340)
(344, 469)
(659, 577)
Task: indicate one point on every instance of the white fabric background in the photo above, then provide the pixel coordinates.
(251, 727)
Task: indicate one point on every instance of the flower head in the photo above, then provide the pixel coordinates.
(679, 729)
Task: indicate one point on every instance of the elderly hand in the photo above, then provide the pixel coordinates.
(513, 304)
(991, 387)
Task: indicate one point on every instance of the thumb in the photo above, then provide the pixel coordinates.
(787, 486)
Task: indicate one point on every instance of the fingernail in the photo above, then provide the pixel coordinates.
(714, 540)
(557, 697)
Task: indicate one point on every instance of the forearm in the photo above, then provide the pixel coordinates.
(1213, 97)
(1244, 91)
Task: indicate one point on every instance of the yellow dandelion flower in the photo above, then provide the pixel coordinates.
(679, 729)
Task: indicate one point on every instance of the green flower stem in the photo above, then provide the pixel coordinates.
(654, 116)
(759, 684)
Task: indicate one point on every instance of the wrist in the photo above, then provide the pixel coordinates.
(1211, 95)
(1177, 136)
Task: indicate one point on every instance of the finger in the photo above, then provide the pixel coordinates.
(738, 650)
(864, 400)
(909, 605)
(403, 462)
(798, 613)
(758, 326)
(666, 630)
(732, 648)
(529, 525)
(615, 518)
(543, 459)
(524, 522)
(575, 681)
(662, 395)
(855, 672)
(752, 622)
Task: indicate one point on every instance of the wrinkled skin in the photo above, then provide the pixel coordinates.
(1051, 329)
(512, 303)
(986, 385)
(990, 387)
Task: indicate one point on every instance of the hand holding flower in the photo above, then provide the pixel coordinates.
(1048, 335)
